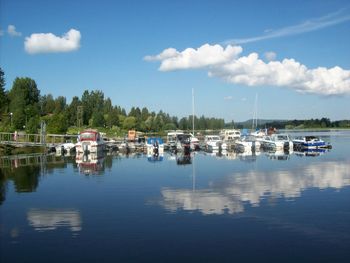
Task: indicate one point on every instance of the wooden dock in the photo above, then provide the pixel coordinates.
(32, 140)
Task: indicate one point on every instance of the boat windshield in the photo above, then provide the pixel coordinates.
(87, 136)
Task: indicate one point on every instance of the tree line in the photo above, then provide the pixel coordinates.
(24, 108)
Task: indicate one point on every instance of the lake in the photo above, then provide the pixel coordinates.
(248, 207)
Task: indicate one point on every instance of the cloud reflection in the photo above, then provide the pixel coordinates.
(46, 220)
(230, 194)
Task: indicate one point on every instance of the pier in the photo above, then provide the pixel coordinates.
(31, 140)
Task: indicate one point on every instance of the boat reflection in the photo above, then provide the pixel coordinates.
(89, 164)
(231, 194)
(183, 158)
(310, 152)
(48, 220)
(279, 155)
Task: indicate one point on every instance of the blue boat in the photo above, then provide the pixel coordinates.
(309, 142)
(155, 147)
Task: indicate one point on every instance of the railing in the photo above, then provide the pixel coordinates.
(19, 139)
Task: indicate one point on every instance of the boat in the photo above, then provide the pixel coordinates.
(172, 139)
(194, 143)
(309, 142)
(276, 142)
(65, 148)
(214, 143)
(89, 141)
(179, 141)
(229, 135)
(155, 147)
(247, 143)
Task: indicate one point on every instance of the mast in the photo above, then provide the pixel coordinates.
(193, 111)
(255, 113)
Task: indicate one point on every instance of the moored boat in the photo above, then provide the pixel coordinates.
(276, 142)
(89, 141)
(309, 142)
(155, 147)
(248, 142)
(214, 143)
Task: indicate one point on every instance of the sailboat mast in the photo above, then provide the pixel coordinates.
(193, 111)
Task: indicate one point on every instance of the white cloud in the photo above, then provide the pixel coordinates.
(228, 98)
(270, 55)
(206, 55)
(50, 43)
(306, 26)
(250, 70)
(11, 30)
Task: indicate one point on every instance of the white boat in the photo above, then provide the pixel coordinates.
(276, 142)
(65, 148)
(229, 135)
(155, 147)
(248, 142)
(214, 143)
(89, 141)
(309, 142)
(194, 142)
(172, 139)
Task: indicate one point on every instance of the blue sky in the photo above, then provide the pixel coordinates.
(302, 68)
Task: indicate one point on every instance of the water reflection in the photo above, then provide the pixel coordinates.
(92, 163)
(252, 187)
(48, 220)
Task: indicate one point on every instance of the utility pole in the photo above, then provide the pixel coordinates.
(80, 114)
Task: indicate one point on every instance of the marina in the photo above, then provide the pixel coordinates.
(136, 207)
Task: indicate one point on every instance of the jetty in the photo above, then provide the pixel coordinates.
(15, 139)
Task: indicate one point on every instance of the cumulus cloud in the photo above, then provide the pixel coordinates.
(206, 55)
(250, 70)
(50, 43)
(11, 30)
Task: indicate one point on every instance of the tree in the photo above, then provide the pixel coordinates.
(24, 101)
(98, 119)
(3, 95)
(129, 123)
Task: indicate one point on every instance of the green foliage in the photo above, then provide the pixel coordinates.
(3, 94)
(129, 123)
(23, 107)
(98, 119)
(24, 101)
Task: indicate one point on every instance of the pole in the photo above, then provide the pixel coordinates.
(193, 111)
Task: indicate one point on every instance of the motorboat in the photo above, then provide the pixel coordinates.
(309, 142)
(214, 143)
(65, 148)
(229, 135)
(89, 141)
(155, 147)
(248, 142)
(276, 142)
(194, 143)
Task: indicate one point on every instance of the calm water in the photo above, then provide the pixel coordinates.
(267, 207)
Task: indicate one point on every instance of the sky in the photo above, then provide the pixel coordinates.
(293, 56)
